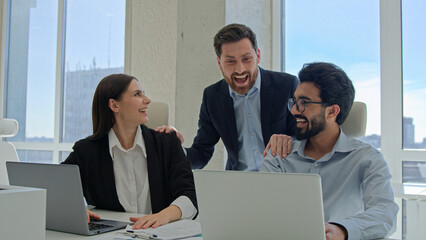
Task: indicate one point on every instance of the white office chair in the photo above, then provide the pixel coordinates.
(8, 128)
(356, 123)
(158, 114)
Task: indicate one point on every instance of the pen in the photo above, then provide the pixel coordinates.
(140, 235)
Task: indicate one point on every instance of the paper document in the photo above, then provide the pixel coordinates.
(176, 230)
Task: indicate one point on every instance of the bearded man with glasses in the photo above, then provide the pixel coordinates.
(357, 195)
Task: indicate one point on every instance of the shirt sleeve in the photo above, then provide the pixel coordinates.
(379, 218)
(186, 207)
(272, 164)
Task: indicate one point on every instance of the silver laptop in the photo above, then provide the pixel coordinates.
(254, 205)
(65, 210)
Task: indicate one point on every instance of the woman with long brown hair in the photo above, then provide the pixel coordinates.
(125, 166)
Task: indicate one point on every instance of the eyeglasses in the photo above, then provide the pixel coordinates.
(300, 104)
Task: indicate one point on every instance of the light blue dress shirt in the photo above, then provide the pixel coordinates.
(249, 128)
(355, 183)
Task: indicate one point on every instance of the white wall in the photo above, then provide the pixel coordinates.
(150, 50)
(198, 22)
(258, 16)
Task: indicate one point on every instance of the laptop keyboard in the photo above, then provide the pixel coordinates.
(97, 226)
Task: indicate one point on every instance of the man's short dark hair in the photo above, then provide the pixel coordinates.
(233, 33)
(334, 85)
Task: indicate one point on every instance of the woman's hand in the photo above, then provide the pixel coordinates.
(167, 215)
(91, 214)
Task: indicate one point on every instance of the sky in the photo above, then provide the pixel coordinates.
(94, 30)
(346, 33)
(414, 63)
(343, 32)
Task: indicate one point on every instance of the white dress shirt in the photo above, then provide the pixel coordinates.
(249, 127)
(131, 177)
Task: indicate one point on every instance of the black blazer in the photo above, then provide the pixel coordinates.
(169, 172)
(217, 117)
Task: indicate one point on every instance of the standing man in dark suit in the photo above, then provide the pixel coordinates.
(245, 108)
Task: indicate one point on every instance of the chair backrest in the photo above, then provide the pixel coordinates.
(158, 114)
(356, 122)
(8, 128)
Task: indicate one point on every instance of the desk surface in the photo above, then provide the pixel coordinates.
(119, 216)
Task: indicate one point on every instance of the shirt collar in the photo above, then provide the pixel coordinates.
(113, 142)
(255, 87)
(343, 144)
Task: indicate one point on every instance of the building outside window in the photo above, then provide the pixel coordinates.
(56, 53)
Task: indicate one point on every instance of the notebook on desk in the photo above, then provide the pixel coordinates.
(65, 210)
(255, 205)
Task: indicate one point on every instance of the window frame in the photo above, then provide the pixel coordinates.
(392, 94)
(390, 14)
(56, 146)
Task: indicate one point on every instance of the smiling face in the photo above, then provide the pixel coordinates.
(132, 106)
(238, 63)
(312, 120)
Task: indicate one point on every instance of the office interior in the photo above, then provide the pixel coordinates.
(168, 47)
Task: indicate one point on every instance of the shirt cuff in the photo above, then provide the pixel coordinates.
(352, 228)
(186, 207)
(342, 228)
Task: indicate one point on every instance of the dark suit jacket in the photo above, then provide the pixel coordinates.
(169, 172)
(217, 117)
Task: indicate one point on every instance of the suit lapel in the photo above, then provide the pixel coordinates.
(154, 170)
(266, 95)
(106, 170)
(229, 116)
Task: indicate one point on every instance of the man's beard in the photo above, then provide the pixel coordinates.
(315, 126)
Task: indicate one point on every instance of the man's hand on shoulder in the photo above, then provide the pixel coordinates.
(334, 232)
(279, 144)
(168, 129)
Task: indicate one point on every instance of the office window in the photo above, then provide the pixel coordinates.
(414, 172)
(63, 155)
(414, 84)
(345, 33)
(35, 156)
(94, 49)
(31, 67)
(57, 52)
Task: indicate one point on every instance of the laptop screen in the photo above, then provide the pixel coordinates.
(256, 205)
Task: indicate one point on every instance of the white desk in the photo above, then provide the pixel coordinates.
(119, 216)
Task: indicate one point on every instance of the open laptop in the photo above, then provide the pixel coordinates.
(256, 205)
(65, 210)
